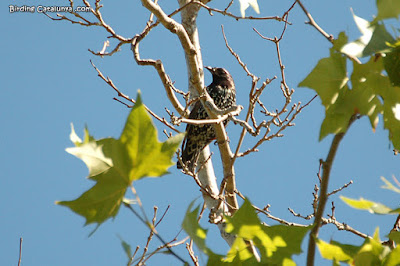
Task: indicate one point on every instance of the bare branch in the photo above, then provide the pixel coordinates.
(312, 22)
(341, 188)
(189, 247)
(133, 256)
(226, 13)
(165, 79)
(323, 195)
(308, 217)
(154, 232)
(343, 226)
(20, 251)
(126, 97)
(100, 22)
(265, 211)
(329, 37)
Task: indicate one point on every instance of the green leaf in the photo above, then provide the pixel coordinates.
(150, 157)
(336, 251)
(194, 230)
(391, 110)
(371, 252)
(369, 83)
(115, 163)
(91, 153)
(371, 94)
(363, 204)
(216, 260)
(244, 4)
(387, 9)
(239, 254)
(373, 40)
(395, 236)
(127, 248)
(392, 63)
(329, 79)
(393, 259)
(276, 243)
(365, 79)
(389, 185)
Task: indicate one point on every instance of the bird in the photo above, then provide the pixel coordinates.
(222, 91)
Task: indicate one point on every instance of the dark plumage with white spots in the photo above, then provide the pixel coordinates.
(222, 91)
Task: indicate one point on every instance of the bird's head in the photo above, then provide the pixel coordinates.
(220, 76)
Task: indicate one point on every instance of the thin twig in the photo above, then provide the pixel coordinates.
(162, 217)
(133, 256)
(312, 22)
(329, 37)
(20, 251)
(126, 97)
(308, 217)
(341, 188)
(343, 226)
(155, 233)
(225, 13)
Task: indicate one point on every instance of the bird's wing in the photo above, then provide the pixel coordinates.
(189, 127)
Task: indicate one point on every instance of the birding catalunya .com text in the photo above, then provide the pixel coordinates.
(46, 9)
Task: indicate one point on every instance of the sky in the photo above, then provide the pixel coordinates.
(48, 83)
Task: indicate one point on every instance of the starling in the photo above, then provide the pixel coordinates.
(222, 91)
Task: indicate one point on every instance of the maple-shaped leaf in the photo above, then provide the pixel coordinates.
(371, 94)
(115, 163)
(191, 226)
(329, 79)
(244, 4)
(277, 244)
(371, 252)
(366, 80)
(390, 186)
(387, 9)
(370, 206)
(336, 251)
(374, 39)
(392, 63)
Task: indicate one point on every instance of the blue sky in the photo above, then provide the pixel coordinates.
(48, 82)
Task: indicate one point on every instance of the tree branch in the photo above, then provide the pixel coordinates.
(323, 194)
(126, 97)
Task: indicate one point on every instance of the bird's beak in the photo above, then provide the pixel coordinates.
(209, 68)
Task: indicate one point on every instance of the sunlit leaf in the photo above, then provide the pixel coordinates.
(244, 4)
(365, 80)
(391, 61)
(373, 40)
(277, 244)
(371, 94)
(395, 236)
(329, 79)
(363, 204)
(193, 229)
(336, 251)
(114, 163)
(371, 252)
(387, 9)
(389, 185)
(150, 157)
(393, 259)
